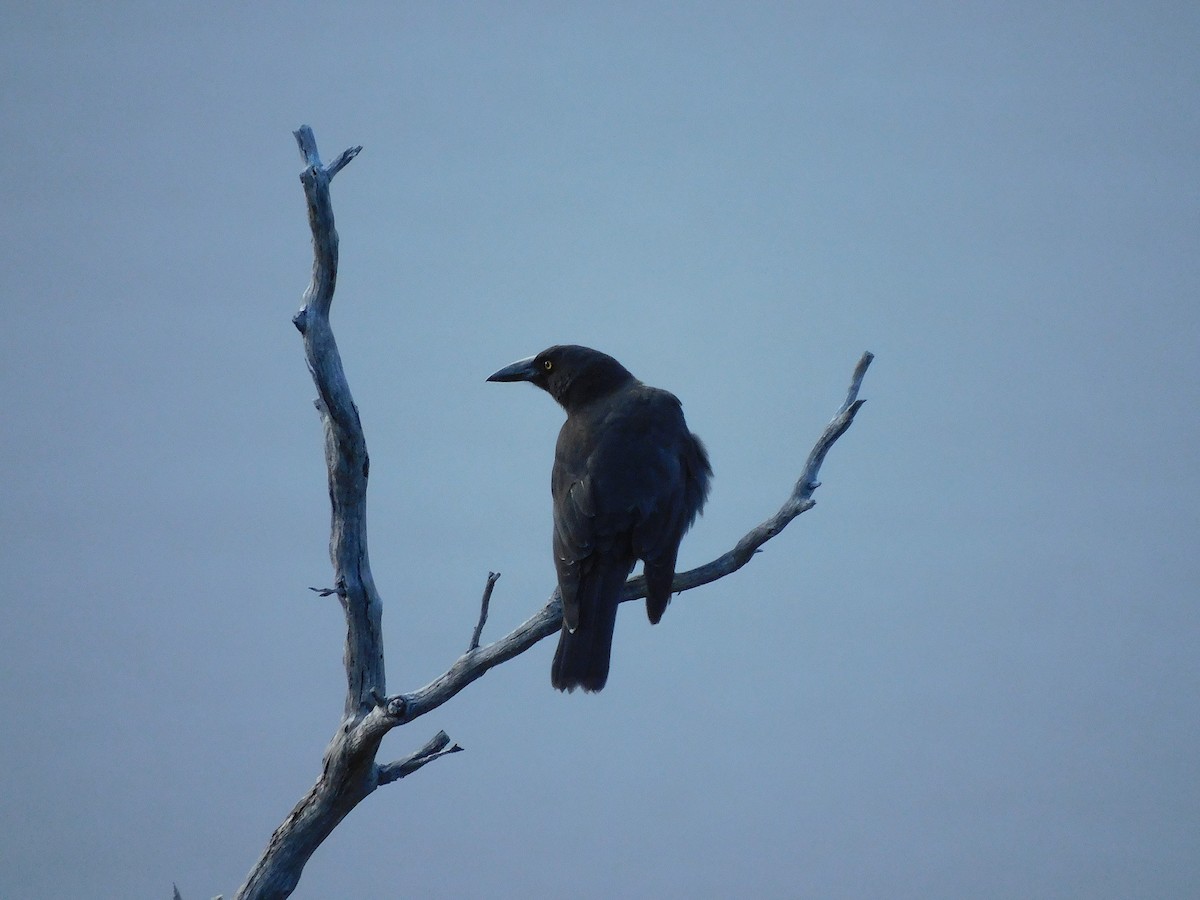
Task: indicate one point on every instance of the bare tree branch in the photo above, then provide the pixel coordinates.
(345, 445)
(350, 771)
(435, 748)
(483, 611)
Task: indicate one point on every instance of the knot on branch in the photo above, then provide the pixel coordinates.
(393, 707)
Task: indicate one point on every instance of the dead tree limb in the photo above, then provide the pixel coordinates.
(483, 611)
(350, 771)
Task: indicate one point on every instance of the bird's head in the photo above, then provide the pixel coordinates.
(571, 374)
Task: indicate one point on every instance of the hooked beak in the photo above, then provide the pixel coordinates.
(521, 370)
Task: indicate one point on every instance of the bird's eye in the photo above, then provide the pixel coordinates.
(547, 365)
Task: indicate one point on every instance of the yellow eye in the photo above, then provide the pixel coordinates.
(547, 365)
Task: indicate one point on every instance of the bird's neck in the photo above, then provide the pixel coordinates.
(586, 388)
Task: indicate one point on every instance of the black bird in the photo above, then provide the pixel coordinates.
(628, 480)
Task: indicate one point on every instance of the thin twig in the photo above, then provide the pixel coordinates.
(343, 160)
(433, 749)
(483, 611)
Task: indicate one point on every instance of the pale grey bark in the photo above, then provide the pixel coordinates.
(349, 770)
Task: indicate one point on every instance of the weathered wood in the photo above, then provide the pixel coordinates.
(350, 772)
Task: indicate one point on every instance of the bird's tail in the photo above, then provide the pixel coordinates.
(582, 657)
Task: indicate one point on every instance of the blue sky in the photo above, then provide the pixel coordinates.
(969, 671)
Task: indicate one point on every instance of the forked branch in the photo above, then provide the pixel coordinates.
(350, 771)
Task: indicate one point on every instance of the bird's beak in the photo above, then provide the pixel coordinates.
(521, 370)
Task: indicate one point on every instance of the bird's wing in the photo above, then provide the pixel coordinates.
(653, 484)
(574, 514)
(668, 495)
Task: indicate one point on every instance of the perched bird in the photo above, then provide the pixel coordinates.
(628, 480)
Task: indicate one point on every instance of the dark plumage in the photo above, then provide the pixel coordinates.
(628, 480)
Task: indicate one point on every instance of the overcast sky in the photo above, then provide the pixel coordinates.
(970, 671)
